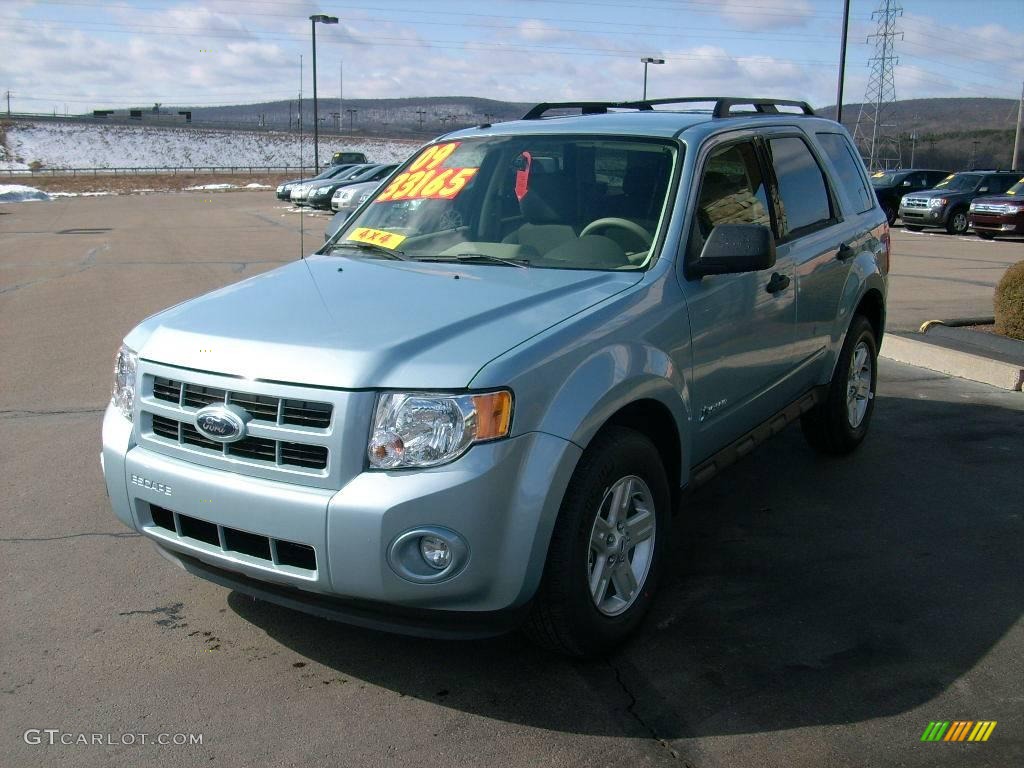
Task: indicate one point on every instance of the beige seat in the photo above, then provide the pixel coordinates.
(548, 210)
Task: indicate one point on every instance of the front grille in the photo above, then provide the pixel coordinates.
(274, 410)
(915, 202)
(997, 208)
(275, 551)
(282, 412)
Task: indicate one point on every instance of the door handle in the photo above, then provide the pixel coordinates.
(845, 252)
(777, 283)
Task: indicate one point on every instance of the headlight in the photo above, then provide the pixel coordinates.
(1014, 208)
(937, 202)
(972, 207)
(343, 195)
(123, 393)
(423, 430)
(321, 190)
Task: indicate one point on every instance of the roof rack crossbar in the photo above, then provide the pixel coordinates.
(723, 105)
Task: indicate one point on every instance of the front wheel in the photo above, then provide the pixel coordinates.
(839, 423)
(957, 223)
(606, 549)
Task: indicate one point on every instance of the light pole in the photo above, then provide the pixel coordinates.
(323, 19)
(648, 60)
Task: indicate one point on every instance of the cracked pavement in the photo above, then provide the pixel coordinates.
(815, 612)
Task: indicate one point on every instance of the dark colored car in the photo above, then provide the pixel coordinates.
(947, 205)
(284, 189)
(349, 158)
(890, 186)
(999, 214)
(320, 197)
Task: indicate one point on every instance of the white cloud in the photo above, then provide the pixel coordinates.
(748, 15)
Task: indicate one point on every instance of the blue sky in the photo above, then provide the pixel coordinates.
(85, 54)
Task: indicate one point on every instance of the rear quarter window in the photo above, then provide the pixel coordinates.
(850, 168)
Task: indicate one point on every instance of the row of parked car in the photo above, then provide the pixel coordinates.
(989, 202)
(338, 187)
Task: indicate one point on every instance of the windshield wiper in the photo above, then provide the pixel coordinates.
(521, 263)
(374, 248)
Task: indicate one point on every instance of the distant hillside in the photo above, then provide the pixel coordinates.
(392, 117)
(950, 132)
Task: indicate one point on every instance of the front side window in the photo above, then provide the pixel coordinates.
(803, 197)
(558, 202)
(732, 191)
(997, 185)
(849, 166)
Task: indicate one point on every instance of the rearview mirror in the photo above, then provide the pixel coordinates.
(734, 248)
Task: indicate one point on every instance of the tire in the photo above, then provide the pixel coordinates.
(566, 617)
(912, 227)
(957, 222)
(839, 423)
(984, 235)
(890, 214)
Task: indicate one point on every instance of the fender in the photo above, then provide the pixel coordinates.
(864, 276)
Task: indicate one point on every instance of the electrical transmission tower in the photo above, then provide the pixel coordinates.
(876, 133)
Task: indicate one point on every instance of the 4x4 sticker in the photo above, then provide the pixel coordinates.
(425, 179)
(376, 237)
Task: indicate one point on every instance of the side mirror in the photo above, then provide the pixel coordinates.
(734, 248)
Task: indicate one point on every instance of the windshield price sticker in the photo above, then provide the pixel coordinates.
(425, 179)
(376, 237)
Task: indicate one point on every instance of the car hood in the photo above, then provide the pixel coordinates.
(1000, 199)
(367, 323)
(928, 193)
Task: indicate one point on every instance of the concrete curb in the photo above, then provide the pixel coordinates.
(964, 365)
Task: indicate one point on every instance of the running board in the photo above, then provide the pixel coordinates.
(736, 450)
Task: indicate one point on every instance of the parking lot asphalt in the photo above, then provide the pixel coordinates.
(817, 612)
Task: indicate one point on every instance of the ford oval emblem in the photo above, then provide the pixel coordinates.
(223, 423)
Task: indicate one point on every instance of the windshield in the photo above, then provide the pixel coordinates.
(883, 179)
(959, 181)
(1017, 189)
(560, 202)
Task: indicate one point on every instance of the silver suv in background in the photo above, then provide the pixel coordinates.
(479, 405)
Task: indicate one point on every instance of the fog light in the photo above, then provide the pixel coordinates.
(436, 552)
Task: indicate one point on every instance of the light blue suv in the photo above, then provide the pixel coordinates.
(480, 404)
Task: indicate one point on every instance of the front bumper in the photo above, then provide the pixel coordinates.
(924, 217)
(501, 497)
(1005, 224)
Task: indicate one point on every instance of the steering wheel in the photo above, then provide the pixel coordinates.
(630, 226)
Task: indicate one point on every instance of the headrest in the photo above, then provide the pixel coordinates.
(550, 199)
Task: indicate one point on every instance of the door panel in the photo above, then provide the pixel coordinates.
(742, 336)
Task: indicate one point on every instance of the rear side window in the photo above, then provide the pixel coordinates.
(803, 196)
(849, 168)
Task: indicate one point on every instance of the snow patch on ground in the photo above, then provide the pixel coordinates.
(254, 185)
(18, 193)
(212, 186)
(78, 145)
(85, 194)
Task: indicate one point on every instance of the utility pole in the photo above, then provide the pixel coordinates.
(421, 113)
(341, 91)
(351, 117)
(842, 62)
(9, 109)
(913, 146)
(974, 153)
(1018, 139)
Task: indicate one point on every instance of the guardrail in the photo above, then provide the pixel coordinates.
(194, 170)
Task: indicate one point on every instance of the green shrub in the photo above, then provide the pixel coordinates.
(1009, 301)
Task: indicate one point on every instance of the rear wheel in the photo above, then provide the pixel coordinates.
(890, 214)
(839, 423)
(957, 222)
(606, 549)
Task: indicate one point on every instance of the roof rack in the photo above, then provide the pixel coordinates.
(723, 105)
